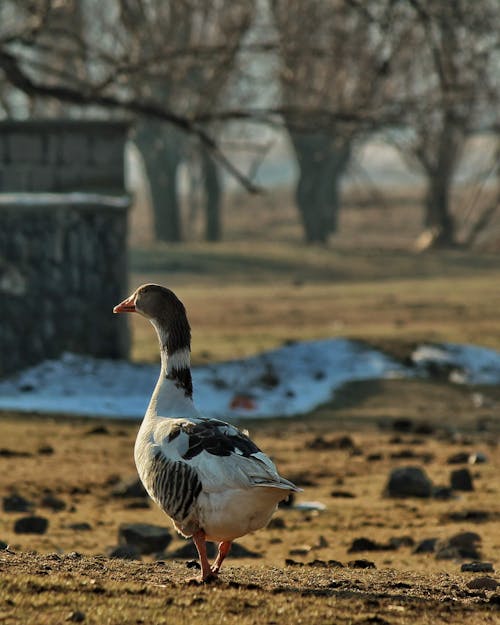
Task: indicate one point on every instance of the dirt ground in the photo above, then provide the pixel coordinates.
(310, 566)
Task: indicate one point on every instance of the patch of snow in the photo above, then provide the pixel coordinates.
(288, 381)
(284, 382)
(467, 364)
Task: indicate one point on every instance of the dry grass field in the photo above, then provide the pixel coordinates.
(249, 294)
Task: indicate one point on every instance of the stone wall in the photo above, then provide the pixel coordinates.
(62, 269)
(62, 156)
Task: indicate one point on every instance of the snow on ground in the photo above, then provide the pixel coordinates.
(287, 381)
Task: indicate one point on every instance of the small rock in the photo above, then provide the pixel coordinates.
(53, 502)
(461, 479)
(339, 442)
(31, 525)
(16, 503)
(365, 544)
(361, 564)
(46, 450)
(483, 583)
(444, 493)
(374, 457)
(131, 488)
(302, 550)
(277, 523)
(146, 538)
(80, 527)
(428, 545)
(76, 616)
(462, 457)
(98, 429)
(342, 494)
(477, 567)
(124, 552)
(401, 541)
(462, 545)
(3, 545)
(408, 482)
(475, 516)
(402, 425)
(13, 453)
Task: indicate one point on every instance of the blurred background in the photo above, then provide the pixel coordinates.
(295, 169)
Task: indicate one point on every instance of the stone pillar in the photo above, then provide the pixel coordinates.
(62, 269)
(63, 224)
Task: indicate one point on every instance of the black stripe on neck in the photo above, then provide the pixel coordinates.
(182, 379)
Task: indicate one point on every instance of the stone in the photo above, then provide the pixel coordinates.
(428, 545)
(474, 516)
(146, 538)
(361, 564)
(462, 545)
(45, 450)
(124, 552)
(16, 503)
(366, 544)
(3, 545)
(462, 457)
(401, 541)
(53, 502)
(131, 488)
(31, 525)
(483, 583)
(83, 526)
(477, 567)
(461, 479)
(408, 482)
(77, 616)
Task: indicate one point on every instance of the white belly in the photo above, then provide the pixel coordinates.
(228, 515)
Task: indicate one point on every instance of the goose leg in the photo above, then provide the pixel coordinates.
(201, 546)
(224, 548)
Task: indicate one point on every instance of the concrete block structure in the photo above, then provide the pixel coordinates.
(63, 232)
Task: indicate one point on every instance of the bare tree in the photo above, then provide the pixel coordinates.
(336, 57)
(445, 72)
(164, 60)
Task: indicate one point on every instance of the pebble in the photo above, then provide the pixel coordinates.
(461, 479)
(83, 526)
(462, 545)
(31, 525)
(45, 450)
(16, 503)
(132, 488)
(428, 545)
(408, 482)
(54, 503)
(366, 544)
(477, 567)
(361, 564)
(124, 552)
(145, 537)
(76, 616)
(483, 583)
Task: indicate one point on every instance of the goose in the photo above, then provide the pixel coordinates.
(207, 475)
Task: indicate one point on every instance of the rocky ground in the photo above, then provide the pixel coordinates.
(399, 521)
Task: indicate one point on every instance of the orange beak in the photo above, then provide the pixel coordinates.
(128, 305)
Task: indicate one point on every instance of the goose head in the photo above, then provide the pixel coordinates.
(164, 310)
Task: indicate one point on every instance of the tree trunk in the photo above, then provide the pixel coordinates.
(161, 149)
(322, 162)
(213, 192)
(438, 218)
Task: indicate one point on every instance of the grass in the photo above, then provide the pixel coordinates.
(246, 297)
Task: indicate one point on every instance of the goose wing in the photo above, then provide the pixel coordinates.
(220, 454)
